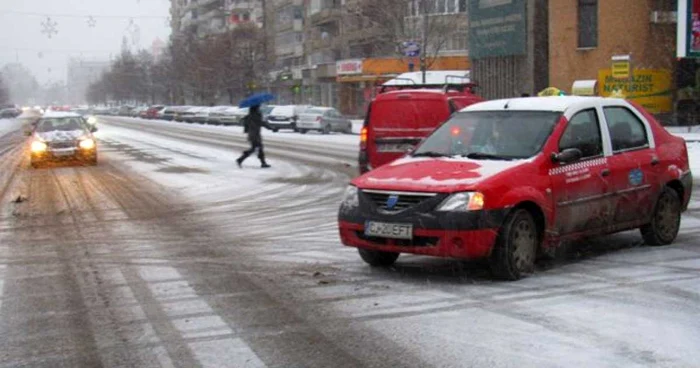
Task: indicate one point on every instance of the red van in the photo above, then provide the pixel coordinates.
(402, 115)
(507, 179)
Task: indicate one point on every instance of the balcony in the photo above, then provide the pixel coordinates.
(320, 43)
(325, 15)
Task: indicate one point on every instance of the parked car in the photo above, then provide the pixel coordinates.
(168, 113)
(138, 111)
(10, 113)
(203, 116)
(216, 114)
(266, 110)
(405, 113)
(506, 180)
(286, 116)
(63, 136)
(232, 116)
(187, 115)
(152, 112)
(324, 120)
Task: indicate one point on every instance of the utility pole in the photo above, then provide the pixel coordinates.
(424, 37)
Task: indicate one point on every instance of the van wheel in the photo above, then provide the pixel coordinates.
(514, 253)
(377, 258)
(302, 131)
(275, 130)
(665, 220)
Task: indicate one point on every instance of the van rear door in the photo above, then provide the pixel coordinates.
(400, 123)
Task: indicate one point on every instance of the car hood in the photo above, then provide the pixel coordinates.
(442, 175)
(62, 135)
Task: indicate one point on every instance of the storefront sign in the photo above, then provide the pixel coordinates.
(621, 67)
(497, 28)
(348, 67)
(688, 28)
(650, 88)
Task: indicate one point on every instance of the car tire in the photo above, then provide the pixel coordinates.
(665, 220)
(377, 258)
(513, 255)
(302, 131)
(275, 130)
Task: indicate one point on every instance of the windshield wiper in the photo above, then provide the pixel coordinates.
(429, 154)
(485, 156)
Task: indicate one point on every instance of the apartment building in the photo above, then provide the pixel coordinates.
(207, 17)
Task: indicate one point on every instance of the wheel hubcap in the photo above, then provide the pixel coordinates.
(524, 241)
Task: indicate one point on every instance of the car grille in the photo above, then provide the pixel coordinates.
(62, 145)
(401, 202)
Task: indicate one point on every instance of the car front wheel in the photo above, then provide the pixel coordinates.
(514, 253)
(377, 258)
(665, 221)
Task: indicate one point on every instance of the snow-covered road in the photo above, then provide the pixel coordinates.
(168, 255)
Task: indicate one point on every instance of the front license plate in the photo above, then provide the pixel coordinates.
(386, 230)
(63, 153)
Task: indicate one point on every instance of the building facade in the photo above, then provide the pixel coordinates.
(586, 35)
(207, 17)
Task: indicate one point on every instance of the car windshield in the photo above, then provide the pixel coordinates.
(60, 124)
(491, 134)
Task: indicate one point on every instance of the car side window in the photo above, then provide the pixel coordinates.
(626, 130)
(583, 133)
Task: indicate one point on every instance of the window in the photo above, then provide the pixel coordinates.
(583, 132)
(626, 130)
(587, 23)
(462, 6)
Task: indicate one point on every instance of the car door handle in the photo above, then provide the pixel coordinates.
(654, 161)
(605, 172)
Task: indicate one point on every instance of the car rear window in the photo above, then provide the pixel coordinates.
(283, 111)
(409, 113)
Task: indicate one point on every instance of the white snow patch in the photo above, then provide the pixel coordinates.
(225, 353)
(487, 169)
(9, 126)
(59, 135)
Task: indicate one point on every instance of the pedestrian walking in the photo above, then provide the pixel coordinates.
(253, 123)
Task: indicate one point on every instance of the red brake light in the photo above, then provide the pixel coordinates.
(363, 138)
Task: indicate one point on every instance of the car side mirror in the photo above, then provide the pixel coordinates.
(93, 129)
(567, 156)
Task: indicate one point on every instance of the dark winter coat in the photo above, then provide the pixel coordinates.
(253, 122)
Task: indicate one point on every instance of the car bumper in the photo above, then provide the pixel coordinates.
(64, 155)
(309, 126)
(282, 124)
(468, 235)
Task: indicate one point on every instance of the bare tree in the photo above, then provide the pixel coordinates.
(430, 23)
(4, 94)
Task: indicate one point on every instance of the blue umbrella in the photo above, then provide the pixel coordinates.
(256, 99)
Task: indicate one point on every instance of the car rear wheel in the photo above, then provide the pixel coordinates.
(275, 130)
(514, 253)
(665, 221)
(302, 131)
(377, 258)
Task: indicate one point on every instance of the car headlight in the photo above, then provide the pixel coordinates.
(39, 146)
(351, 196)
(462, 202)
(92, 120)
(87, 144)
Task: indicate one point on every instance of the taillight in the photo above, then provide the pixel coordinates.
(363, 138)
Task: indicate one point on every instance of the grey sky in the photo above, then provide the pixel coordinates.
(21, 38)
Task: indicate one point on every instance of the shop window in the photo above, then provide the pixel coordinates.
(587, 23)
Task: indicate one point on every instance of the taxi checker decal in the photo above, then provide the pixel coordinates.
(578, 167)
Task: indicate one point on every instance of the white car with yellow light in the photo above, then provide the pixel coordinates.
(63, 137)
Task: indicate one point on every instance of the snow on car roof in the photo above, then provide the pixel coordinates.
(553, 103)
(431, 78)
(61, 114)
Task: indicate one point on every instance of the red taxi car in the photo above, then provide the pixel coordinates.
(507, 179)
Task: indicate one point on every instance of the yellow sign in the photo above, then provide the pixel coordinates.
(621, 69)
(550, 91)
(650, 88)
